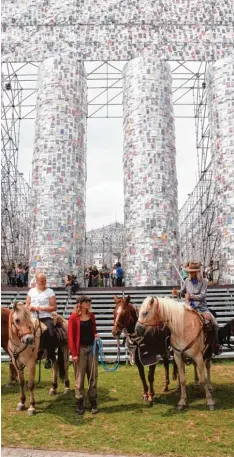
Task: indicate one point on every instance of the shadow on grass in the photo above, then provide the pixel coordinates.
(15, 388)
(222, 394)
(64, 406)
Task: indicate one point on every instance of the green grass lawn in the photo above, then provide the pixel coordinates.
(125, 424)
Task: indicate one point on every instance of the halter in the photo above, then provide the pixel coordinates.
(122, 326)
(158, 323)
(16, 354)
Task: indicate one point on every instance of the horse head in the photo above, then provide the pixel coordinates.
(21, 324)
(123, 314)
(148, 316)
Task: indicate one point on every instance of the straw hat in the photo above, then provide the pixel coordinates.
(193, 267)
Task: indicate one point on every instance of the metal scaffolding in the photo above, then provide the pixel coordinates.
(15, 209)
(199, 233)
(108, 242)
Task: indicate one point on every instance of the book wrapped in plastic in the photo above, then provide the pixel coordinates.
(150, 182)
(220, 89)
(59, 170)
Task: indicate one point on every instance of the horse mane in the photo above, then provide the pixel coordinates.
(170, 311)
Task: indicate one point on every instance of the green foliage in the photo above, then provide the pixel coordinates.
(125, 424)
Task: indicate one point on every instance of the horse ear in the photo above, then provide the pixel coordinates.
(116, 298)
(127, 300)
(14, 307)
(152, 301)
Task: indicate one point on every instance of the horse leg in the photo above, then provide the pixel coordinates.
(142, 376)
(196, 378)
(183, 397)
(12, 375)
(208, 366)
(201, 368)
(21, 404)
(53, 390)
(31, 372)
(166, 371)
(66, 367)
(152, 369)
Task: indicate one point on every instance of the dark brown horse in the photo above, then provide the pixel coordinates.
(5, 313)
(226, 332)
(125, 317)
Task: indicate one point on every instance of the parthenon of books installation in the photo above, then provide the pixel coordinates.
(221, 117)
(63, 33)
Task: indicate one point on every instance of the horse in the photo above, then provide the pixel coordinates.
(125, 317)
(226, 332)
(5, 313)
(188, 339)
(24, 347)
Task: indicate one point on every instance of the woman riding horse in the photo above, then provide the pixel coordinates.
(194, 290)
(42, 302)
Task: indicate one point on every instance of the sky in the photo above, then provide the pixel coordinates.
(104, 196)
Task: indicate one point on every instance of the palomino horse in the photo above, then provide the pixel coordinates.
(5, 313)
(24, 345)
(187, 337)
(125, 317)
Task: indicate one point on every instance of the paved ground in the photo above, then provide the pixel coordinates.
(16, 452)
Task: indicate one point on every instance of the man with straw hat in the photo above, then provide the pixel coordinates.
(194, 290)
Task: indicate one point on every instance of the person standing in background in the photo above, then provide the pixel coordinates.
(106, 275)
(68, 284)
(95, 276)
(119, 274)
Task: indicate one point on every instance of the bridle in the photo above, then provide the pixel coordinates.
(125, 324)
(15, 354)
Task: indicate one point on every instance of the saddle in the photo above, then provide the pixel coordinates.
(60, 325)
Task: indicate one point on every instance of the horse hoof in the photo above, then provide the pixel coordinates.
(211, 407)
(20, 407)
(165, 389)
(150, 403)
(66, 390)
(181, 407)
(52, 392)
(145, 398)
(31, 412)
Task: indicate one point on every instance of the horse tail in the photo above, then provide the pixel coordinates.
(175, 370)
(61, 363)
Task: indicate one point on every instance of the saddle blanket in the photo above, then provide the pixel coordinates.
(153, 347)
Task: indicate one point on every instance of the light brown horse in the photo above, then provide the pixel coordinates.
(5, 313)
(23, 346)
(187, 337)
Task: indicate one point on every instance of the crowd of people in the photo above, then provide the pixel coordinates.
(15, 276)
(105, 277)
